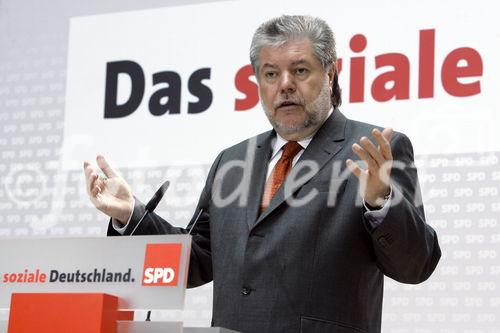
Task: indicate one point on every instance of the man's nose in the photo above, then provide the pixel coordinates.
(287, 83)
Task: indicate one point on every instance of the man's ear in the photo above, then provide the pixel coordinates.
(331, 70)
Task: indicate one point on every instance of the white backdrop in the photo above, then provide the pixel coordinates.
(52, 82)
(217, 36)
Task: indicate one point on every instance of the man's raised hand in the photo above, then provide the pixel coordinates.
(111, 195)
(375, 180)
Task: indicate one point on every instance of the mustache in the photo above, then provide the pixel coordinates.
(288, 99)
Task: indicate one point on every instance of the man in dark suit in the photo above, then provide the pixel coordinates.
(295, 235)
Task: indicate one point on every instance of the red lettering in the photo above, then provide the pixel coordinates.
(247, 87)
(399, 77)
(25, 277)
(357, 73)
(426, 57)
(461, 63)
(461, 71)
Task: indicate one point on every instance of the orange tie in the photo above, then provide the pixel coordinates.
(279, 173)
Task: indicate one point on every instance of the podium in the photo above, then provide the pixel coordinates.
(93, 285)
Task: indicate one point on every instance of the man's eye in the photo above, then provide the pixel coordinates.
(301, 71)
(270, 75)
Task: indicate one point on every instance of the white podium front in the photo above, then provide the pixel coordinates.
(144, 272)
(48, 280)
(164, 327)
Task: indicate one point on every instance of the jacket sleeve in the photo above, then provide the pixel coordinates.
(200, 265)
(406, 247)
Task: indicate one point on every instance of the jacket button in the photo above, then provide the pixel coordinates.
(246, 291)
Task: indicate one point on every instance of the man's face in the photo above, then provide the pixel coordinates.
(294, 88)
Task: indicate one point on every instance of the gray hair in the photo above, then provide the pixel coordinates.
(279, 30)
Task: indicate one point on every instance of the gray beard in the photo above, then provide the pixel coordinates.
(316, 113)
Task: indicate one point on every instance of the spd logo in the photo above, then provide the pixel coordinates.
(161, 264)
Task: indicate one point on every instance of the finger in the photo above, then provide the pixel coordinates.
(96, 190)
(372, 150)
(358, 150)
(354, 168)
(387, 133)
(98, 201)
(93, 180)
(90, 176)
(87, 169)
(384, 143)
(91, 186)
(105, 167)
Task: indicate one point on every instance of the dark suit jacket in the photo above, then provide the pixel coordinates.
(314, 268)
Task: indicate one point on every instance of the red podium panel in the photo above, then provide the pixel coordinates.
(65, 312)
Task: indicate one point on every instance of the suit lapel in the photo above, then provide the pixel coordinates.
(327, 142)
(263, 152)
